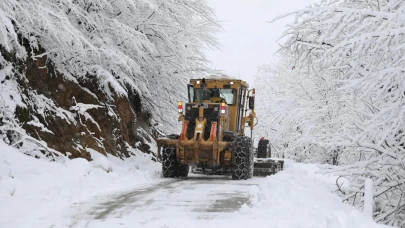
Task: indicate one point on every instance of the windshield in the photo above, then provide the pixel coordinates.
(199, 94)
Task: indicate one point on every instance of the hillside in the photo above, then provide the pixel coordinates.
(97, 74)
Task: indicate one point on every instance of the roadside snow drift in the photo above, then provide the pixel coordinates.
(297, 197)
(32, 191)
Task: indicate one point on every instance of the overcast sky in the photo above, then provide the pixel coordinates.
(248, 41)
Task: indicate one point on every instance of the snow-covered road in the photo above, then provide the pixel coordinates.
(76, 193)
(296, 197)
(178, 201)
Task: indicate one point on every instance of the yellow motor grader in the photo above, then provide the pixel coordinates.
(213, 136)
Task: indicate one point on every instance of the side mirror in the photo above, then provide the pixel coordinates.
(251, 102)
(191, 95)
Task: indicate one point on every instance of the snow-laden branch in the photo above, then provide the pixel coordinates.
(335, 9)
(350, 109)
(150, 47)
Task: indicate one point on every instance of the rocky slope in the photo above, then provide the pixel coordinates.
(71, 116)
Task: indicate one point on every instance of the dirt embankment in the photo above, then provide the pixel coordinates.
(72, 115)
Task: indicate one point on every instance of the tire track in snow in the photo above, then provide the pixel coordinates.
(202, 197)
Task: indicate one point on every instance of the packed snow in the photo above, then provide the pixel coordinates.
(38, 193)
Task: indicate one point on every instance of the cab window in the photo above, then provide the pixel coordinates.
(206, 94)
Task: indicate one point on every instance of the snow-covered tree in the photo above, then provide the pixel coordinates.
(351, 55)
(303, 110)
(127, 46)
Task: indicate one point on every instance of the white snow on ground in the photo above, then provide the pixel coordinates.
(294, 198)
(298, 197)
(32, 191)
(37, 193)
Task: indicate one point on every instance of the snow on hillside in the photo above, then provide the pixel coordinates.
(127, 46)
(33, 189)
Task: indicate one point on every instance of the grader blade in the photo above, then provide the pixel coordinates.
(267, 166)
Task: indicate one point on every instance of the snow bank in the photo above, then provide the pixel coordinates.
(33, 190)
(299, 197)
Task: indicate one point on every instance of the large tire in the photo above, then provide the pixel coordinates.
(242, 161)
(262, 149)
(251, 161)
(183, 170)
(170, 165)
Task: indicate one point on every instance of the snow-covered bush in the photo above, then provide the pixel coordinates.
(350, 56)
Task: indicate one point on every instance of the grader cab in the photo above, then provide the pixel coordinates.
(212, 136)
